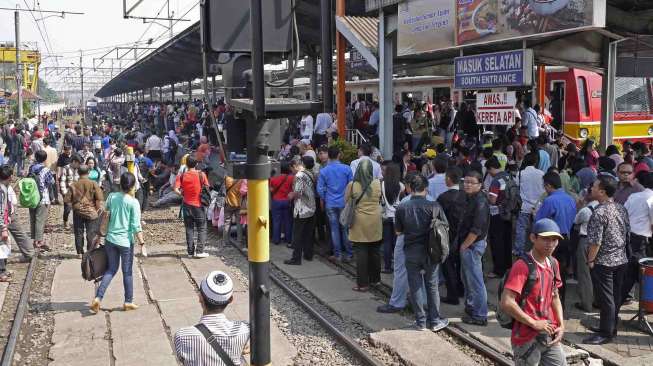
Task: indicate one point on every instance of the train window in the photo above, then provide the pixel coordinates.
(583, 102)
(631, 95)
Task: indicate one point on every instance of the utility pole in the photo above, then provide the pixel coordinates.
(341, 71)
(19, 68)
(327, 53)
(81, 80)
(170, 19)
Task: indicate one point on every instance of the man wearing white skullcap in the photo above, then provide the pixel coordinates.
(228, 338)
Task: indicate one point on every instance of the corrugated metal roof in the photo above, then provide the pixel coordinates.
(366, 29)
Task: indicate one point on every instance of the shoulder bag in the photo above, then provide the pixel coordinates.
(213, 341)
(94, 261)
(347, 214)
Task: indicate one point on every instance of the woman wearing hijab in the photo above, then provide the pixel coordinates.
(365, 232)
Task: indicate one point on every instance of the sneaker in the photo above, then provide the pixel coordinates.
(191, 256)
(202, 255)
(346, 259)
(441, 324)
(95, 306)
(419, 327)
(474, 321)
(292, 262)
(387, 309)
(130, 306)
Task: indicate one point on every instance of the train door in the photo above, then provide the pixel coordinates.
(557, 104)
(441, 93)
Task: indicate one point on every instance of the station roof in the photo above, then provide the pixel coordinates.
(180, 59)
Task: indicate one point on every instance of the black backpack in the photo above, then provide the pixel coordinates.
(504, 319)
(511, 204)
(438, 244)
(172, 145)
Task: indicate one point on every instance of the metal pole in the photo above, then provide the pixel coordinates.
(313, 78)
(19, 69)
(81, 78)
(169, 19)
(341, 71)
(326, 48)
(190, 91)
(258, 173)
(386, 106)
(172, 87)
(213, 89)
(607, 97)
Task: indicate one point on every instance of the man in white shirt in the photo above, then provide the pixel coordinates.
(364, 152)
(640, 214)
(322, 123)
(531, 188)
(585, 289)
(437, 184)
(306, 127)
(153, 147)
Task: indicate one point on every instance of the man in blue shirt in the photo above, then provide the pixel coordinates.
(331, 184)
(373, 123)
(561, 208)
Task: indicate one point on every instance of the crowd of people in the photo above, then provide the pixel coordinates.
(516, 192)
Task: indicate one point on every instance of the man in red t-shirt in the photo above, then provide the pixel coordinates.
(189, 186)
(538, 324)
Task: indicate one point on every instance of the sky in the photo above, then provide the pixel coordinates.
(96, 32)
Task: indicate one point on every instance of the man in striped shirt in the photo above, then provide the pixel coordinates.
(193, 348)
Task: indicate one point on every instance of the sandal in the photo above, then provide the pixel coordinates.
(5, 278)
(361, 288)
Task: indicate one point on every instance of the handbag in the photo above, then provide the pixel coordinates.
(205, 192)
(94, 263)
(347, 214)
(213, 341)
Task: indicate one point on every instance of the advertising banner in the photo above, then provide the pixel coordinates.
(491, 70)
(425, 26)
(496, 108)
(490, 20)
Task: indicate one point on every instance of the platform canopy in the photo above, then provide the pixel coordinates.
(180, 59)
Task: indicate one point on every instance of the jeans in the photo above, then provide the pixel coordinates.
(417, 261)
(195, 218)
(339, 237)
(37, 217)
(608, 282)
(368, 263)
(302, 238)
(534, 353)
(389, 239)
(281, 221)
(80, 225)
(472, 276)
(123, 256)
(521, 234)
(400, 278)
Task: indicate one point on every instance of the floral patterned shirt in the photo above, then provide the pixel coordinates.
(608, 228)
(304, 186)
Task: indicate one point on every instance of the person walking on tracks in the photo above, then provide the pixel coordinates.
(534, 302)
(189, 185)
(85, 197)
(123, 214)
(37, 215)
(215, 340)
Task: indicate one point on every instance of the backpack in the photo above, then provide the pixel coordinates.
(29, 190)
(438, 244)
(511, 204)
(504, 319)
(172, 145)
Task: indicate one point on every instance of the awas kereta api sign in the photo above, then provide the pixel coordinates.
(492, 70)
(495, 108)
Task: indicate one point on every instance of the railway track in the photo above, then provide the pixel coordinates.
(19, 315)
(356, 349)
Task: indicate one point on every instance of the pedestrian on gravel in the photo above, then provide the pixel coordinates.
(215, 338)
(472, 233)
(365, 233)
(69, 175)
(538, 325)
(331, 184)
(85, 198)
(304, 204)
(123, 222)
(282, 218)
(413, 220)
(8, 223)
(189, 185)
(39, 214)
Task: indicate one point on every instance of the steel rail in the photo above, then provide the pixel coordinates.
(10, 348)
(350, 343)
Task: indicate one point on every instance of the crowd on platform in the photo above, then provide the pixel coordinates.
(517, 191)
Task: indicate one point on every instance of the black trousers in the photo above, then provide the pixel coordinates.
(451, 273)
(303, 238)
(83, 228)
(561, 254)
(608, 283)
(638, 245)
(368, 263)
(500, 235)
(67, 209)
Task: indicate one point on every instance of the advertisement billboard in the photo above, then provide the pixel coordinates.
(425, 26)
(492, 70)
(480, 21)
(496, 108)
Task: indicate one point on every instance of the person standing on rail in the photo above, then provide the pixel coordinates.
(538, 324)
(215, 340)
(123, 214)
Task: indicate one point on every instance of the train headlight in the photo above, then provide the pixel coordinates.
(650, 131)
(583, 133)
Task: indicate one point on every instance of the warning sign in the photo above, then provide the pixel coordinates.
(495, 108)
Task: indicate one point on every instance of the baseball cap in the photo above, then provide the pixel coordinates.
(217, 288)
(546, 227)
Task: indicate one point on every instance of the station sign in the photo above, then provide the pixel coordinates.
(491, 70)
(497, 108)
(425, 26)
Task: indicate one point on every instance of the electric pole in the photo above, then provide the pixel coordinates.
(81, 80)
(19, 69)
